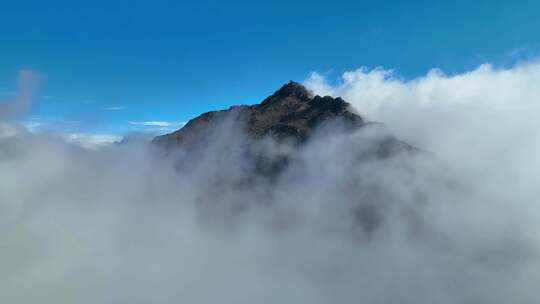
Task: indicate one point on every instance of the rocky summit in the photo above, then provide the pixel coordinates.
(290, 117)
(292, 112)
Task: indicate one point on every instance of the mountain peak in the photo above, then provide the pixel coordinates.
(291, 89)
(289, 116)
(291, 112)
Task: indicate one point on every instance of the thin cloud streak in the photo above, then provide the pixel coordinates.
(114, 108)
(157, 123)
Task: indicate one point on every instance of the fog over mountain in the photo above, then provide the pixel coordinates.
(401, 191)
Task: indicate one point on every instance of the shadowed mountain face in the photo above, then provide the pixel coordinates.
(291, 114)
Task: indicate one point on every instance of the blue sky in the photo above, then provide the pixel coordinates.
(111, 65)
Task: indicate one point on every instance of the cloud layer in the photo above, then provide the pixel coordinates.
(457, 224)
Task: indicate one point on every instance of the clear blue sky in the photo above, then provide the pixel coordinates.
(172, 60)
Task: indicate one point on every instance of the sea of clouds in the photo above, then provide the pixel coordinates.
(457, 223)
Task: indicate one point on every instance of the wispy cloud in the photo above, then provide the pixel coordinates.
(114, 108)
(38, 124)
(33, 125)
(158, 123)
(27, 85)
(91, 140)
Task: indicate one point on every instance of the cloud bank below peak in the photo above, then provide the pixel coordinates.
(458, 225)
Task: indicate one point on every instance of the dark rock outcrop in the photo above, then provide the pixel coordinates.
(291, 113)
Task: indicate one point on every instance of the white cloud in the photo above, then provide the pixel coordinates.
(151, 123)
(92, 140)
(114, 108)
(485, 112)
(157, 123)
(34, 125)
(123, 225)
(9, 130)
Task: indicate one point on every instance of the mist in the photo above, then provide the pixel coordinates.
(456, 223)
